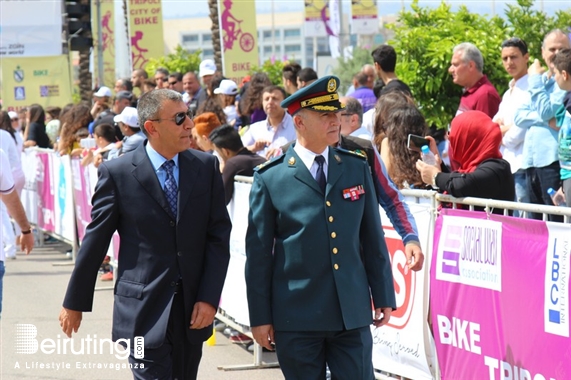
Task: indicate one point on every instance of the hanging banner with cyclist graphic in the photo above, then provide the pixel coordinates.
(145, 31)
(316, 18)
(28, 80)
(238, 33)
(108, 42)
(364, 19)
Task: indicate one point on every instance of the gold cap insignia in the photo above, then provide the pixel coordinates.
(291, 161)
(331, 85)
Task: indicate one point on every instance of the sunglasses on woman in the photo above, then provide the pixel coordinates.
(179, 117)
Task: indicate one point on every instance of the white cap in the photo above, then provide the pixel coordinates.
(102, 92)
(227, 87)
(207, 67)
(13, 115)
(129, 116)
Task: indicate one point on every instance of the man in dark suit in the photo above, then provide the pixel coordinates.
(311, 210)
(167, 203)
(238, 160)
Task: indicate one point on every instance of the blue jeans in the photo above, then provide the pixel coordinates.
(538, 181)
(2, 271)
(521, 193)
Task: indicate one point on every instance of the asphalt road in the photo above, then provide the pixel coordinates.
(34, 287)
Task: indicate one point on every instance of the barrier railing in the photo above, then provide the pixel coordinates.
(410, 346)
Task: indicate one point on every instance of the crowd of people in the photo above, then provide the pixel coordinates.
(511, 148)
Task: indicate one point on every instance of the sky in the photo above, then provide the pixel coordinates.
(199, 8)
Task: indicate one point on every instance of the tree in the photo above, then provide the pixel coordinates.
(274, 70)
(424, 39)
(180, 61)
(215, 28)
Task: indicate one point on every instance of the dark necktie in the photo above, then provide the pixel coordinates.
(170, 189)
(320, 175)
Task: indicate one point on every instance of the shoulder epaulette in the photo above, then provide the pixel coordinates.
(269, 163)
(357, 153)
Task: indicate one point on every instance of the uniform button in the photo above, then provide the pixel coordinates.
(173, 283)
(333, 235)
(336, 267)
(328, 204)
(172, 223)
(330, 219)
(335, 250)
(179, 254)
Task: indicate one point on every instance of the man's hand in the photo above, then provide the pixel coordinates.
(202, 315)
(427, 171)
(264, 336)
(258, 145)
(535, 68)
(386, 312)
(27, 243)
(70, 320)
(414, 256)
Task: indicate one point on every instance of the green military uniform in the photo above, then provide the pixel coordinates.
(314, 260)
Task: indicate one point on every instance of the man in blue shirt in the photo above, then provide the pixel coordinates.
(537, 114)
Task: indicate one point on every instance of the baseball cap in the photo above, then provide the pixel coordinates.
(13, 115)
(124, 95)
(227, 87)
(102, 92)
(129, 116)
(207, 67)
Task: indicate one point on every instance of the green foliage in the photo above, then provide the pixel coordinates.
(273, 69)
(180, 61)
(532, 25)
(424, 39)
(347, 68)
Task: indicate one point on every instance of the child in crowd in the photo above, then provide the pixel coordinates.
(227, 92)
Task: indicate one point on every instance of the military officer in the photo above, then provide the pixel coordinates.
(309, 284)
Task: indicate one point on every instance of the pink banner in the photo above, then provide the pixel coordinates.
(82, 196)
(46, 204)
(500, 297)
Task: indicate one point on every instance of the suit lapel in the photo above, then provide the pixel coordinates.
(335, 169)
(187, 177)
(300, 170)
(145, 174)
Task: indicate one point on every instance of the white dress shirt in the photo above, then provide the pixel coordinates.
(308, 158)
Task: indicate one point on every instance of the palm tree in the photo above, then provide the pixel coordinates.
(213, 5)
(85, 79)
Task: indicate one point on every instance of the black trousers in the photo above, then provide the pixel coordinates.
(303, 355)
(177, 358)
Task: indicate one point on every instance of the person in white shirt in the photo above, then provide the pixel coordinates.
(264, 137)
(228, 91)
(18, 128)
(515, 58)
(351, 118)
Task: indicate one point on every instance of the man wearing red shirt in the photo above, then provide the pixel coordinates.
(466, 68)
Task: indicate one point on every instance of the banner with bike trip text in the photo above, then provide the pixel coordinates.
(239, 36)
(145, 32)
(108, 42)
(316, 18)
(364, 19)
(28, 80)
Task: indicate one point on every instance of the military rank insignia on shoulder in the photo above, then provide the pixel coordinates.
(269, 163)
(356, 153)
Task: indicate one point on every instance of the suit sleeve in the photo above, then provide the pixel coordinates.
(217, 249)
(104, 222)
(259, 253)
(375, 252)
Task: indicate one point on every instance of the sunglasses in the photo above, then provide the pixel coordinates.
(179, 117)
(16, 119)
(173, 83)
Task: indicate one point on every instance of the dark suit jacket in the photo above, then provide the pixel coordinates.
(155, 250)
(242, 163)
(304, 270)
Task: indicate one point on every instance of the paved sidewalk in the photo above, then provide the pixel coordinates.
(34, 287)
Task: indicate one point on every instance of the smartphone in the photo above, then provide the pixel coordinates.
(416, 142)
